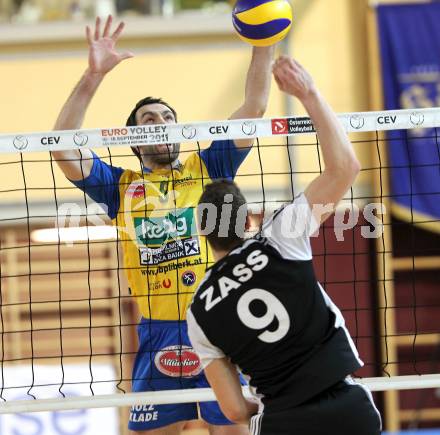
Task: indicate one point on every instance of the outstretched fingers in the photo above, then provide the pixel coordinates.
(97, 28)
(89, 35)
(107, 27)
(118, 31)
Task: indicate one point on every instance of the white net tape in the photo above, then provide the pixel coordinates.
(233, 129)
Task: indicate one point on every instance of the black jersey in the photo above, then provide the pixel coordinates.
(262, 307)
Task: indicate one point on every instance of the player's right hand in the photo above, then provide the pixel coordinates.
(292, 78)
(103, 56)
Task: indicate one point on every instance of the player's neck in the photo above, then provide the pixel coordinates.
(219, 254)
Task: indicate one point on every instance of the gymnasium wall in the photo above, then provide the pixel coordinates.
(201, 73)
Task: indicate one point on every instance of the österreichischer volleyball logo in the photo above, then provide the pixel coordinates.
(20, 142)
(189, 132)
(80, 139)
(178, 361)
(357, 122)
(249, 128)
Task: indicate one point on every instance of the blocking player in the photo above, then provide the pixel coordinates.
(164, 257)
(261, 309)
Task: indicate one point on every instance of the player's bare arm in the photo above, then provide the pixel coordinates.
(341, 164)
(223, 377)
(103, 57)
(257, 88)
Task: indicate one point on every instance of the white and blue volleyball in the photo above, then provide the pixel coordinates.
(262, 22)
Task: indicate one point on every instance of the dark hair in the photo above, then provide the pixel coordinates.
(131, 120)
(222, 214)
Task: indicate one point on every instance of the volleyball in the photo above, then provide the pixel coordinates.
(262, 22)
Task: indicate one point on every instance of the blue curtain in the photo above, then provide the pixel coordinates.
(410, 55)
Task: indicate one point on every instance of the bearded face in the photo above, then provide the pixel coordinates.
(156, 114)
(161, 154)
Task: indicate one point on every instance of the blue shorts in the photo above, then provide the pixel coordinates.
(166, 361)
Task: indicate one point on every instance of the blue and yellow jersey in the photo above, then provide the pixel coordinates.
(155, 213)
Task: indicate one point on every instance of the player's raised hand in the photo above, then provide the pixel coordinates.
(103, 56)
(292, 78)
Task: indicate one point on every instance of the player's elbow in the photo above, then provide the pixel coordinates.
(346, 169)
(236, 413)
(237, 416)
(353, 168)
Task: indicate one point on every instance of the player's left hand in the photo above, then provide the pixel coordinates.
(103, 56)
(292, 78)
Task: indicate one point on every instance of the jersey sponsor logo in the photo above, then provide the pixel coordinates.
(172, 267)
(158, 285)
(143, 413)
(169, 251)
(136, 190)
(184, 182)
(156, 231)
(178, 361)
(189, 278)
(242, 273)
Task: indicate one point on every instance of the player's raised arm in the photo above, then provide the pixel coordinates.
(341, 164)
(103, 57)
(257, 88)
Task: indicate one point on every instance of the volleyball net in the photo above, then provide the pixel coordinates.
(68, 321)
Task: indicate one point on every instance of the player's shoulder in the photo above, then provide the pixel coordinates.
(251, 255)
(130, 174)
(192, 163)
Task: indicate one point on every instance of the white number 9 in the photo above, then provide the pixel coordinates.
(274, 310)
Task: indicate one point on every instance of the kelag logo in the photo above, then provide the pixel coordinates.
(157, 231)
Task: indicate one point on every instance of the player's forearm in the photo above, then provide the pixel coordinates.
(72, 114)
(337, 151)
(258, 81)
(75, 164)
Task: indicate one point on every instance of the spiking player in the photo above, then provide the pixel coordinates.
(261, 309)
(164, 258)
